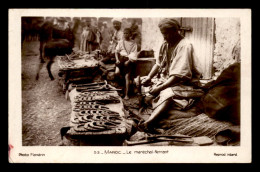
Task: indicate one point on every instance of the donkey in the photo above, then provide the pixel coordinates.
(52, 45)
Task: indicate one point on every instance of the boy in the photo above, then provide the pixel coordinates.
(126, 55)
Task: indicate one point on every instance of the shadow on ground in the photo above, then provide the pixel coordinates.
(44, 107)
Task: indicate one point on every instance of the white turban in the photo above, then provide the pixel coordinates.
(169, 23)
(117, 19)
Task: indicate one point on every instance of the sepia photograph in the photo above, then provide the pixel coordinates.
(92, 85)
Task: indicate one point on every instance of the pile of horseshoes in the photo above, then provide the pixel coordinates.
(91, 114)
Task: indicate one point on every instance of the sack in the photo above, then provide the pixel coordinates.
(222, 100)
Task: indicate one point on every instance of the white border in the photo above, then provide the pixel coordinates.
(61, 154)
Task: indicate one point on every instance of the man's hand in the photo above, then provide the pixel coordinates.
(127, 62)
(155, 91)
(146, 81)
(114, 39)
(117, 62)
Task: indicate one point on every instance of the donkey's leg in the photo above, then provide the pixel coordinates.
(39, 69)
(49, 68)
(42, 47)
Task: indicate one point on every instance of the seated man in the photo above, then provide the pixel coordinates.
(126, 55)
(175, 68)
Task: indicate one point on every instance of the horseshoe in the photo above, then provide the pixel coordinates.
(95, 125)
(92, 93)
(76, 109)
(75, 120)
(103, 112)
(115, 121)
(88, 103)
(98, 117)
(106, 124)
(91, 127)
(84, 120)
(88, 117)
(105, 118)
(91, 107)
(84, 112)
(80, 128)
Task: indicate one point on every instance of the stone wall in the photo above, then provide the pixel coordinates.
(227, 46)
(151, 36)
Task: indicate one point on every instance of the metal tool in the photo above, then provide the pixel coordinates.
(90, 84)
(161, 138)
(155, 136)
(97, 88)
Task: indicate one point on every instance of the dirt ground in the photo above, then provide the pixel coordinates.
(44, 107)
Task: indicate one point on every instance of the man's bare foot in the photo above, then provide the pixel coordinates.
(145, 127)
(126, 98)
(117, 71)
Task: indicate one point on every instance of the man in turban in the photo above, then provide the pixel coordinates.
(117, 35)
(170, 83)
(88, 36)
